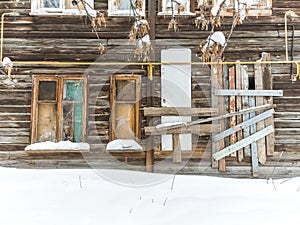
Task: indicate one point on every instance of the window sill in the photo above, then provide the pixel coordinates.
(57, 13)
(251, 12)
(176, 14)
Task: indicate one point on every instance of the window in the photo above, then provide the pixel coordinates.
(60, 7)
(58, 109)
(125, 96)
(123, 8)
(179, 7)
(256, 8)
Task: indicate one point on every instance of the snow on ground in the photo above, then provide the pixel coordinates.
(83, 197)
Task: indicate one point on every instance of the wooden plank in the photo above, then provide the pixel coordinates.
(232, 120)
(201, 130)
(224, 92)
(243, 125)
(261, 148)
(222, 163)
(214, 105)
(179, 111)
(161, 127)
(245, 105)
(238, 105)
(177, 149)
(253, 146)
(226, 100)
(268, 85)
(243, 143)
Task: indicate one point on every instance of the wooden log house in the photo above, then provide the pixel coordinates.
(61, 88)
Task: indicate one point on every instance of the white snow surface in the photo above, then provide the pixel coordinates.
(82, 197)
(62, 145)
(123, 144)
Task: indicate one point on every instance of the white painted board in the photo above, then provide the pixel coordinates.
(176, 91)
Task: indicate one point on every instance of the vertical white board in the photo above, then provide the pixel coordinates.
(176, 91)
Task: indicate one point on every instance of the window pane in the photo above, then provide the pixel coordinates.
(69, 5)
(47, 90)
(125, 90)
(51, 3)
(125, 121)
(124, 5)
(73, 90)
(46, 122)
(72, 122)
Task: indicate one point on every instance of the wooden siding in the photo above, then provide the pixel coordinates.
(70, 39)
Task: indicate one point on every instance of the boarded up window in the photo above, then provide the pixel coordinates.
(58, 109)
(125, 95)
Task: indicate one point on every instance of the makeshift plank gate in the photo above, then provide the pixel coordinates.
(249, 134)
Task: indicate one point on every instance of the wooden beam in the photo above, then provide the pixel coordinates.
(241, 144)
(201, 130)
(179, 111)
(243, 125)
(228, 92)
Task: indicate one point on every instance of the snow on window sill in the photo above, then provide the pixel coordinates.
(62, 146)
(123, 145)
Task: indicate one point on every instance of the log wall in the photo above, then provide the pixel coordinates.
(70, 39)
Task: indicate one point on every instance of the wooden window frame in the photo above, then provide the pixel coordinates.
(113, 103)
(59, 100)
(254, 11)
(162, 9)
(37, 9)
(111, 11)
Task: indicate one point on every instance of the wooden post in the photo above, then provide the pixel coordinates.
(261, 148)
(151, 18)
(176, 148)
(149, 142)
(218, 103)
(150, 89)
(239, 119)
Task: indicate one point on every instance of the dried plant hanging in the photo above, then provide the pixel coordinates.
(139, 33)
(96, 18)
(175, 5)
(216, 42)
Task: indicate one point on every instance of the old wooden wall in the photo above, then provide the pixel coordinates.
(70, 39)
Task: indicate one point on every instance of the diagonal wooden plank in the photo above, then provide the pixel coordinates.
(243, 125)
(161, 127)
(245, 142)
